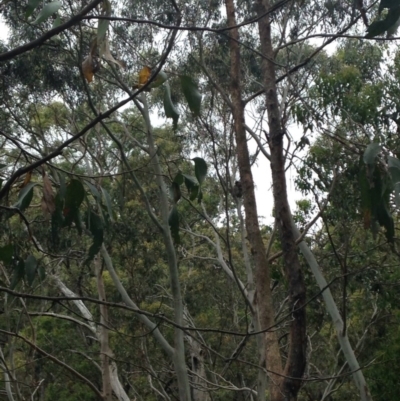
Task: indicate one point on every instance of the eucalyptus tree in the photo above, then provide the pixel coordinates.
(88, 56)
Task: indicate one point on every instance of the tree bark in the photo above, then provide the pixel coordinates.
(263, 297)
(337, 320)
(103, 333)
(296, 359)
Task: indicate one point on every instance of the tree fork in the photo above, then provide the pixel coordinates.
(263, 299)
(296, 361)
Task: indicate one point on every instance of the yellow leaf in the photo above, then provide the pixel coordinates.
(27, 179)
(48, 202)
(89, 67)
(144, 75)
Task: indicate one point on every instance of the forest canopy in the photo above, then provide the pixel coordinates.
(138, 258)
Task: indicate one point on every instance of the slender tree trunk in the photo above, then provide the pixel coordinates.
(103, 333)
(296, 359)
(263, 297)
(179, 351)
(337, 320)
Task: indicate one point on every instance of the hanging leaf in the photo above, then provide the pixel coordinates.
(169, 108)
(30, 269)
(108, 203)
(25, 196)
(394, 169)
(397, 194)
(159, 80)
(189, 181)
(48, 10)
(105, 52)
(48, 202)
(89, 67)
(93, 190)
(388, 4)
(6, 253)
(194, 193)
(199, 195)
(57, 22)
(103, 24)
(385, 220)
(74, 195)
(179, 178)
(32, 4)
(78, 221)
(388, 24)
(175, 192)
(27, 179)
(18, 274)
(173, 221)
(200, 169)
(41, 272)
(192, 94)
(60, 176)
(371, 152)
(96, 227)
(393, 28)
(143, 77)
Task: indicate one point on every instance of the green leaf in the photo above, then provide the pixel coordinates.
(103, 24)
(199, 195)
(175, 192)
(48, 10)
(25, 196)
(194, 192)
(169, 108)
(371, 153)
(397, 194)
(93, 190)
(57, 22)
(6, 253)
(173, 221)
(32, 4)
(179, 178)
(189, 181)
(158, 80)
(192, 94)
(76, 218)
(96, 227)
(63, 186)
(394, 169)
(2, 165)
(107, 199)
(388, 4)
(42, 273)
(30, 269)
(74, 195)
(380, 27)
(200, 169)
(18, 274)
(385, 219)
(102, 29)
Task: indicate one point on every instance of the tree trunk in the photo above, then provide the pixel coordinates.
(103, 333)
(179, 345)
(263, 297)
(296, 360)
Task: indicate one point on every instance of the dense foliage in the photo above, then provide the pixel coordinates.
(129, 268)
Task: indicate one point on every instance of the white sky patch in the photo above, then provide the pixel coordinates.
(4, 30)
